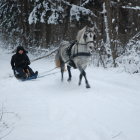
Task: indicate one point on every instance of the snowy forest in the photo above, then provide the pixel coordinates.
(45, 23)
(50, 103)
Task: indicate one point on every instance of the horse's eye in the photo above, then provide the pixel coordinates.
(94, 37)
(90, 47)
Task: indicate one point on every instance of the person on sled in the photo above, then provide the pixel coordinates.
(20, 64)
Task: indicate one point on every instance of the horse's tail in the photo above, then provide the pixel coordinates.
(57, 63)
(57, 60)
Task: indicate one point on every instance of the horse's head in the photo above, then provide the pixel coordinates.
(89, 38)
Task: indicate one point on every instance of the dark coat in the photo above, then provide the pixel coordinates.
(20, 60)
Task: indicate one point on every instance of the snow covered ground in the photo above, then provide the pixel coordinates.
(47, 109)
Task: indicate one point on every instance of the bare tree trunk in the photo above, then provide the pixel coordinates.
(110, 46)
(107, 27)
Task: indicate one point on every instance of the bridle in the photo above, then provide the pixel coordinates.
(85, 43)
(85, 39)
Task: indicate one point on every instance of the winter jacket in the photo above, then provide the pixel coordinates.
(20, 60)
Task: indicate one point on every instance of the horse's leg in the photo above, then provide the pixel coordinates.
(69, 73)
(86, 81)
(83, 73)
(62, 70)
(80, 78)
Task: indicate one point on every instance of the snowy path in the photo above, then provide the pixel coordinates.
(50, 110)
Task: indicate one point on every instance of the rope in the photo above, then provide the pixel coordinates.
(48, 74)
(45, 55)
(49, 70)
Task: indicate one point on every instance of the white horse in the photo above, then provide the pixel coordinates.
(77, 54)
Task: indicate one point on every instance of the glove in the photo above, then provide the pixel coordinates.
(15, 72)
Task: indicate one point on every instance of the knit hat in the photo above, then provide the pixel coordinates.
(21, 48)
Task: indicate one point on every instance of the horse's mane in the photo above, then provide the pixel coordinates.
(80, 33)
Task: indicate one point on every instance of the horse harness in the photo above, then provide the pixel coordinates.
(69, 49)
(78, 53)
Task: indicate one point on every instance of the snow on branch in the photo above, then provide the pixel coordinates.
(85, 3)
(54, 13)
(133, 8)
(76, 12)
(66, 3)
(39, 13)
(130, 60)
(2, 6)
(134, 37)
(53, 19)
(33, 15)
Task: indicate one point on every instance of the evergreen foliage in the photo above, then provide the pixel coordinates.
(41, 23)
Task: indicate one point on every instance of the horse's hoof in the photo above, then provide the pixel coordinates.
(79, 83)
(69, 79)
(87, 86)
